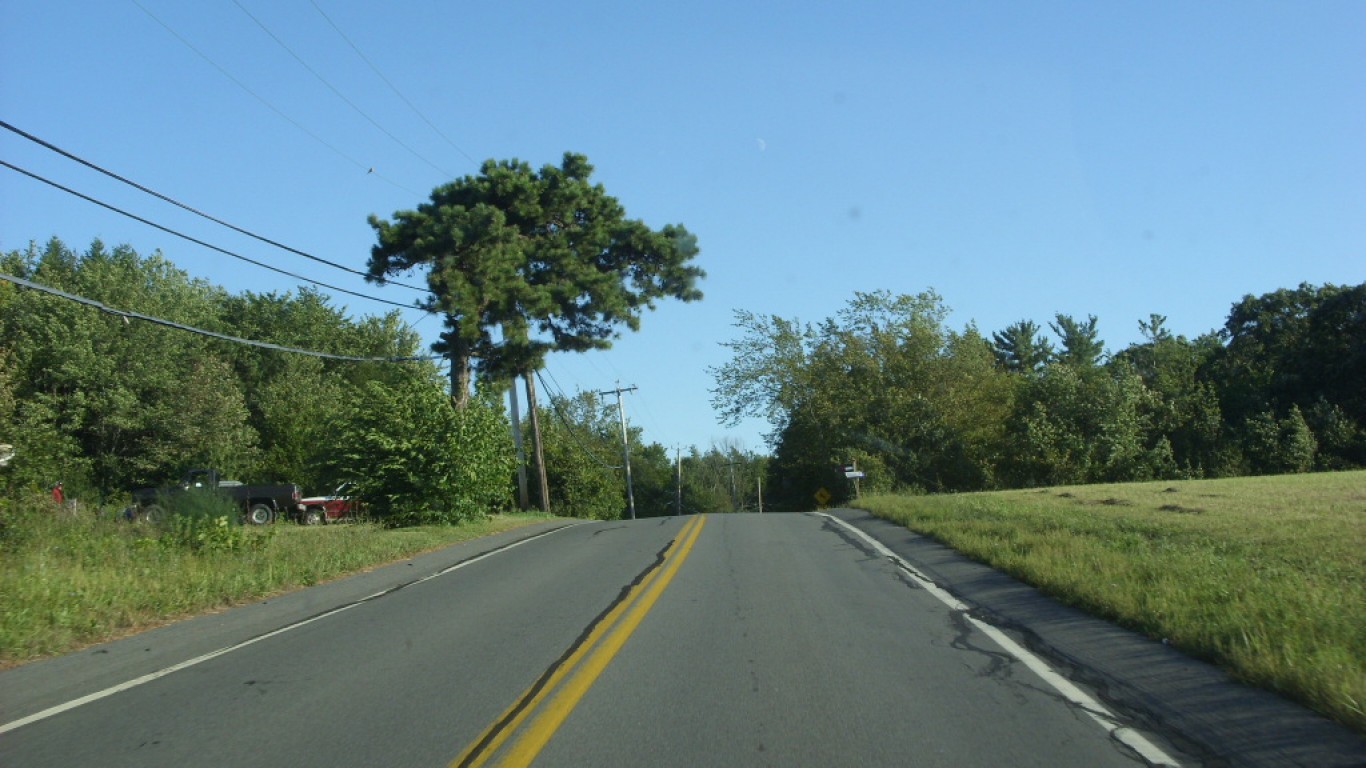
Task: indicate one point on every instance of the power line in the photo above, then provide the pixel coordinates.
(338, 93)
(197, 241)
(370, 170)
(213, 334)
(197, 212)
(568, 428)
(392, 87)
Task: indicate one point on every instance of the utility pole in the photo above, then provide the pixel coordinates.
(678, 484)
(544, 484)
(734, 492)
(760, 481)
(625, 446)
(523, 502)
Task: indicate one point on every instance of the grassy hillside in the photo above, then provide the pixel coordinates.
(1265, 576)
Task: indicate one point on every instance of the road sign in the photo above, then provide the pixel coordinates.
(822, 496)
(853, 475)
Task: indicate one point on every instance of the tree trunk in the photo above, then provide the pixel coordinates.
(458, 353)
(460, 382)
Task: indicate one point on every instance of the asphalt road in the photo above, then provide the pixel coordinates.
(819, 640)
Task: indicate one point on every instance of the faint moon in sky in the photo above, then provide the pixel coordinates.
(762, 144)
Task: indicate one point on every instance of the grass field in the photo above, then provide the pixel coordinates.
(68, 582)
(1264, 576)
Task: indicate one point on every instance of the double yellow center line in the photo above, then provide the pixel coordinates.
(543, 707)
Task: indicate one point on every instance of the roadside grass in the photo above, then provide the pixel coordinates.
(1265, 576)
(68, 582)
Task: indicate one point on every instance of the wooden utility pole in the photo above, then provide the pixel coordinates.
(523, 503)
(544, 485)
(734, 490)
(678, 484)
(625, 447)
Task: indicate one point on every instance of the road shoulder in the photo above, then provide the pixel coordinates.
(46, 683)
(1191, 702)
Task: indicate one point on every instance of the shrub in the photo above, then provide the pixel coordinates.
(415, 459)
(204, 522)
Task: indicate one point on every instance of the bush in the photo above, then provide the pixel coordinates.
(204, 522)
(416, 460)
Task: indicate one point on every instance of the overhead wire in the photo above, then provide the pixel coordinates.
(48, 145)
(653, 422)
(370, 170)
(214, 334)
(338, 93)
(203, 243)
(570, 429)
(387, 82)
(650, 417)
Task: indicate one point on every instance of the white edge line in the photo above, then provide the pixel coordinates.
(147, 678)
(1107, 720)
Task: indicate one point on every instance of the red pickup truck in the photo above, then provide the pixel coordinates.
(317, 510)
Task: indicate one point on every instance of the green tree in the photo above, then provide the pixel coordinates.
(291, 397)
(1278, 446)
(582, 445)
(107, 399)
(1341, 442)
(883, 382)
(1295, 347)
(415, 460)
(521, 262)
(1078, 341)
(1154, 328)
(1184, 406)
(724, 478)
(205, 422)
(1334, 361)
(1262, 335)
(1083, 425)
(103, 403)
(767, 374)
(1020, 348)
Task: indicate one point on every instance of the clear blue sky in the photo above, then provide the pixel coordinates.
(1020, 158)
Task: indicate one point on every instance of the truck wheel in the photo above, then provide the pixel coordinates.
(313, 516)
(151, 513)
(260, 514)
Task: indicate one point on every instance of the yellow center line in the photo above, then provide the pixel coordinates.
(538, 733)
(507, 723)
(599, 652)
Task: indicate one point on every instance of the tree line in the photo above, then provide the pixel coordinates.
(922, 407)
(104, 404)
(518, 263)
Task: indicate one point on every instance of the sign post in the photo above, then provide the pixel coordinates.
(852, 472)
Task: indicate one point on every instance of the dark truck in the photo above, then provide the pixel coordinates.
(260, 504)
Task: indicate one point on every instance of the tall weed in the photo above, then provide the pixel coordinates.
(68, 581)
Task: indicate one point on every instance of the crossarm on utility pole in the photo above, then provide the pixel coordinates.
(625, 446)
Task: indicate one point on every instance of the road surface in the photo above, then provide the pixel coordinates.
(780, 639)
